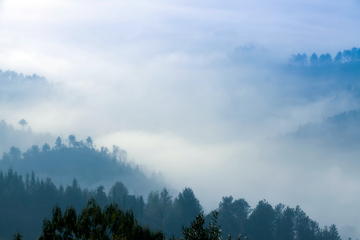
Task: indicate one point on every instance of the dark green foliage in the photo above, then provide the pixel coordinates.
(261, 222)
(305, 228)
(94, 223)
(184, 209)
(24, 204)
(233, 215)
(284, 222)
(198, 232)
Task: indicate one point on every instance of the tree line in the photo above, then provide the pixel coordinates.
(346, 56)
(25, 202)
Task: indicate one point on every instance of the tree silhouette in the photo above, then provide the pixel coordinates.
(23, 123)
(314, 60)
(93, 223)
(72, 140)
(58, 143)
(45, 148)
(89, 142)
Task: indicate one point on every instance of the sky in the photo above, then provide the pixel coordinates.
(191, 89)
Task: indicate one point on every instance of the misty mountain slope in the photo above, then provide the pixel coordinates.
(339, 131)
(9, 136)
(91, 167)
(325, 75)
(18, 87)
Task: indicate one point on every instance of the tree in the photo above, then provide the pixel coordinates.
(23, 123)
(261, 222)
(72, 140)
(89, 142)
(189, 205)
(233, 215)
(100, 196)
(17, 236)
(305, 228)
(58, 143)
(197, 230)
(15, 153)
(299, 60)
(338, 58)
(333, 233)
(325, 59)
(314, 60)
(45, 148)
(284, 223)
(32, 152)
(347, 56)
(355, 54)
(94, 223)
(153, 211)
(118, 193)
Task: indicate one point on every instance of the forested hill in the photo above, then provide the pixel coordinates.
(25, 202)
(339, 131)
(81, 160)
(21, 138)
(324, 75)
(19, 87)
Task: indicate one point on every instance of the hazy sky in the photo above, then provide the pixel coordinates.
(163, 81)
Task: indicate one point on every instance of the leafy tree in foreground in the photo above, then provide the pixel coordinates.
(197, 231)
(93, 223)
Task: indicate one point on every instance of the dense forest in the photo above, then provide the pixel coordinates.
(70, 158)
(26, 201)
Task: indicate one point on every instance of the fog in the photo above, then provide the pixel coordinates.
(196, 91)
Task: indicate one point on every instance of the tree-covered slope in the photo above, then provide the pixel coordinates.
(80, 160)
(338, 131)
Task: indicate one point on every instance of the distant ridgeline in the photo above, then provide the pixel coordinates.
(345, 66)
(25, 202)
(341, 130)
(14, 86)
(346, 56)
(10, 78)
(90, 166)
